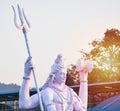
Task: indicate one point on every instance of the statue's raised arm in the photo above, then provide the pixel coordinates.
(84, 67)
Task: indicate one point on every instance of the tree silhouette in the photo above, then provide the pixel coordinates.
(72, 76)
(105, 54)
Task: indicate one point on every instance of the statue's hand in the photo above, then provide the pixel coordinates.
(28, 66)
(85, 66)
(80, 66)
(89, 65)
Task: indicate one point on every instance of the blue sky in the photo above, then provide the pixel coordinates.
(57, 26)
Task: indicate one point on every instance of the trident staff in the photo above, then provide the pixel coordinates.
(25, 29)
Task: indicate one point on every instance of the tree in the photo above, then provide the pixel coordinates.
(72, 76)
(105, 54)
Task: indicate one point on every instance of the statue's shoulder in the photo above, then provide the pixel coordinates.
(69, 88)
(72, 91)
(47, 93)
(47, 90)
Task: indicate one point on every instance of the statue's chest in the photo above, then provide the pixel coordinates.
(61, 97)
(63, 100)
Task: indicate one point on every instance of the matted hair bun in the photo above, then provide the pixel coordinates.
(59, 58)
(58, 64)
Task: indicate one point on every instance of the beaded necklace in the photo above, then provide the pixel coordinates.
(68, 99)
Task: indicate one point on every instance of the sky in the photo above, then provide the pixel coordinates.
(57, 26)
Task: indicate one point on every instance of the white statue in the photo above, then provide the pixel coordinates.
(55, 95)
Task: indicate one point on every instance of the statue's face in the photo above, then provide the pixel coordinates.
(60, 76)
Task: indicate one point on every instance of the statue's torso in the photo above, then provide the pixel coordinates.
(63, 100)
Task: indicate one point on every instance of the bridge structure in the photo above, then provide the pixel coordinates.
(97, 93)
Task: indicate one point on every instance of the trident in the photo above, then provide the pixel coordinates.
(25, 29)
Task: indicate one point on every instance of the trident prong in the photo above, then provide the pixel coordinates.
(23, 19)
(24, 29)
